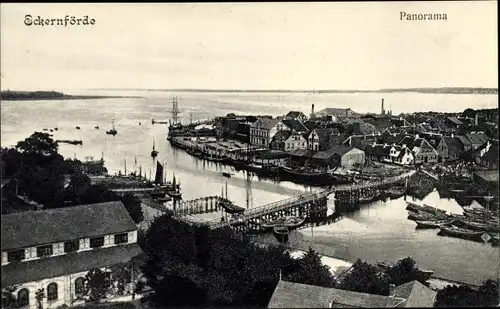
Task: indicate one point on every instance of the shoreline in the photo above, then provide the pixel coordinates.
(69, 97)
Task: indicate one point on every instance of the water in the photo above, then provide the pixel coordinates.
(377, 232)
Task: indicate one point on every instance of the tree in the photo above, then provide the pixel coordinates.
(463, 296)
(96, 284)
(9, 299)
(133, 206)
(312, 271)
(469, 112)
(405, 271)
(38, 143)
(489, 293)
(365, 278)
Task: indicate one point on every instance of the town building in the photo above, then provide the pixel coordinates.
(401, 155)
(296, 125)
(319, 139)
(487, 155)
(298, 295)
(52, 250)
(422, 151)
(343, 156)
(295, 115)
(378, 152)
(295, 141)
(477, 139)
(263, 130)
(449, 148)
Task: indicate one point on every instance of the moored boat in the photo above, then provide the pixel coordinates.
(421, 216)
(477, 226)
(280, 230)
(294, 222)
(433, 224)
(226, 174)
(265, 224)
(454, 231)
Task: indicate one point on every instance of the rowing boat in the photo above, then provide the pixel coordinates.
(433, 224)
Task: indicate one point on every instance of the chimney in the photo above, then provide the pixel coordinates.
(392, 290)
(452, 135)
(312, 112)
(383, 111)
(417, 136)
(476, 119)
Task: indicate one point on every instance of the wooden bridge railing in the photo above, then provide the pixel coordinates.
(305, 198)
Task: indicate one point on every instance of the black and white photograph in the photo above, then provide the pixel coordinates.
(249, 155)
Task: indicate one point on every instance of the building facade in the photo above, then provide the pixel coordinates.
(51, 251)
(263, 130)
(295, 141)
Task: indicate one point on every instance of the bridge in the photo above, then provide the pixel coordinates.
(312, 204)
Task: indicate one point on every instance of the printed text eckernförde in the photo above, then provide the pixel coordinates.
(71, 21)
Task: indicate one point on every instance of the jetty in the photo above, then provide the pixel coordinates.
(313, 205)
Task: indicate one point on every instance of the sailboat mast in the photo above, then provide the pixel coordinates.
(226, 189)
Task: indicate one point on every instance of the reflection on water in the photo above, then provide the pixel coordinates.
(379, 231)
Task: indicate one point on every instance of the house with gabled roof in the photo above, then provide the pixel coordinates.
(296, 125)
(263, 130)
(487, 154)
(319, 139)
(295, 141)
(477, 139)
(422, 151)
(295, 115)
(54, 249)
(298, 295)
(449, 148)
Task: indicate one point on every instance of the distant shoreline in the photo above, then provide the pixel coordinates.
(50, 95)
(443, 90)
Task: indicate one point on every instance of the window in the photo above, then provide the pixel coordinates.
(23, 298)
(121, 238)
(17, 255)
(52, 291)
(43, 251)
(71, 246)
(96, 242)
(79, 286)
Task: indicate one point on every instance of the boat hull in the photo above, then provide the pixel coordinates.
(461, 233)
(433, 224)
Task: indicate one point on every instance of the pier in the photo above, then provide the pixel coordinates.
(312, 205)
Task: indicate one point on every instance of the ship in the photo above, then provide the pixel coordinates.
(154, 152)
(113, 130)
(174, 190)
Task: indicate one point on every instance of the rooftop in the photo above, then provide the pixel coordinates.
(297, 295)
(265, 123)
(33, 228)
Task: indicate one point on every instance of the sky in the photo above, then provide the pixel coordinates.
(250, 46)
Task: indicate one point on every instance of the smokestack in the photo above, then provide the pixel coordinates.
(476, 119)
(392, 290)
(383, 111)
(312, 112)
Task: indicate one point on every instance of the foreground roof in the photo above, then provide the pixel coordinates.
(416, 294)
(15, 273)
(297, 295)
(33, 228)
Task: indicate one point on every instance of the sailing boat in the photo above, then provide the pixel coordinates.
(154, 153)
(113, 130)
(175, 192)
(159, 174)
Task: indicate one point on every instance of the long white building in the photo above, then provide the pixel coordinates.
(54, 249)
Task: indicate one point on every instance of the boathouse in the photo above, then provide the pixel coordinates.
(54, 249)
(298, 295)
(344, 156)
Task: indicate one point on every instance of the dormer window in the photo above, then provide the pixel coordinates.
(71, 246)
(44, 251)
(16, 255)
(96, 242)
(121, 238)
